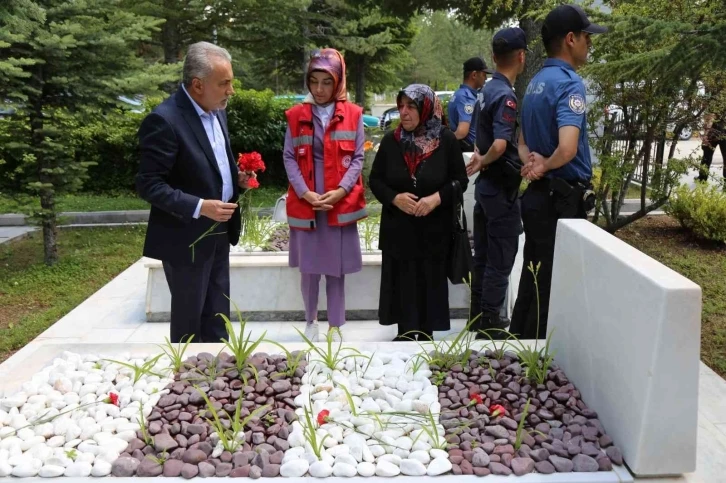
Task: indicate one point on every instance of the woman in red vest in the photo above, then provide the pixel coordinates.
(412, 177)
(323, 157)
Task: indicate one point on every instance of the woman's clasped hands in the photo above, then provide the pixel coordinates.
(326, 201)
(412, 205)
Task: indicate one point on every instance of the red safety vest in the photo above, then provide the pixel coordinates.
(338, 151)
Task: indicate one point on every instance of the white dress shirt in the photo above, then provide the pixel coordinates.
(219, 148)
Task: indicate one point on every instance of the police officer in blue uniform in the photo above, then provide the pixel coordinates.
(554, 148)
(497, 222)
(461, 112)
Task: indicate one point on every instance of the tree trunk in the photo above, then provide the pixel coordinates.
(360, 80)
(47, 199)
(50, 227)
(535, 59)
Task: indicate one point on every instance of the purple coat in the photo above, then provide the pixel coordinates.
(326, 250)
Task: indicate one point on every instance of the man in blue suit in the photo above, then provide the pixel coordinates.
(189, 175)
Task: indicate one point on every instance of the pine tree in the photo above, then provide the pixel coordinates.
(663, 64)
(72, 59)
(374, 43)
(492, 14)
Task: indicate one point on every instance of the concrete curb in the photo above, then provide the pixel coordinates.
(76, 218)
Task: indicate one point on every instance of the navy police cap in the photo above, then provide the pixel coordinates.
(509, 39)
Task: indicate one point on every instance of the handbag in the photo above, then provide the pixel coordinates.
(460, 262)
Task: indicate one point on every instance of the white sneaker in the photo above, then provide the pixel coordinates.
(311, 331)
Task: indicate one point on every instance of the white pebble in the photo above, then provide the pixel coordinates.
(295, 468)
(421, 456)
(347, 459)
(35, 440)
(344, 470)
(366, 469)
(25, 471)
(5, 469)
(51, 471)
(320, 469)
(412, 468)
(78, 469)
(438, 453)
(85, 458)
(101, 468)
(439, 466)
(391, 458)
(25, 434)
(63, 461)
(56, 442)
(386, 469)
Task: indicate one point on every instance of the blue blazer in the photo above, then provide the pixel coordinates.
(176, 169)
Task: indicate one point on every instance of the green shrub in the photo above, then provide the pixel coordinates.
(257, 123)
(701, 210)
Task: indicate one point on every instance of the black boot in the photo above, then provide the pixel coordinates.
(425, 336)
(492, 320)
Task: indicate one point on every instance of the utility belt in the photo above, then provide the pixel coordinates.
(505, 171)
(572, 199)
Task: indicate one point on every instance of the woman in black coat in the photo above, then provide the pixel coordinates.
(412, 177)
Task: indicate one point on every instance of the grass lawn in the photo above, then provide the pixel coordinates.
(704, 262)
(117, 201)
(34, 296)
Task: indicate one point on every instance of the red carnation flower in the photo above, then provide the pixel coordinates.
(323, 416)
(496, 410)
(112, 399)
(251, 162)
(476, 398)
(253, 183)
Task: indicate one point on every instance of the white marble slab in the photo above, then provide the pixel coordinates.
(265, 283)
(627, 333)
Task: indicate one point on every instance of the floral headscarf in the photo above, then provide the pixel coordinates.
(422, 141)
(331, 62)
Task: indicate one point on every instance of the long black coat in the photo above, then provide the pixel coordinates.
(408, 237)
(178, 168)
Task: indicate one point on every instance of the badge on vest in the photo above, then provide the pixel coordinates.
(301, 151)
(346, 161)
(577, 104)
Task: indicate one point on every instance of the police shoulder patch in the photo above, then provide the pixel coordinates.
(577, 104)
(469, 108)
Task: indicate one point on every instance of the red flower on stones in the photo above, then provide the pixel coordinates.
(476, 398)
(323, 416)
(112, 399)
(496, 410)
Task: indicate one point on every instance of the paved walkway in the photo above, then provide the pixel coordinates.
(8, 233)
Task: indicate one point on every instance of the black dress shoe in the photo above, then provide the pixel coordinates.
(492, 320)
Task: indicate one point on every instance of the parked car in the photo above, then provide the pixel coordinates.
(617, 112)
(370, 121)
(444, 95)
(389, 115)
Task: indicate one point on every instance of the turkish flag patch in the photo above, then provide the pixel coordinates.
(511, 103)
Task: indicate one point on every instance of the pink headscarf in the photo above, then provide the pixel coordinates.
(331, 62)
